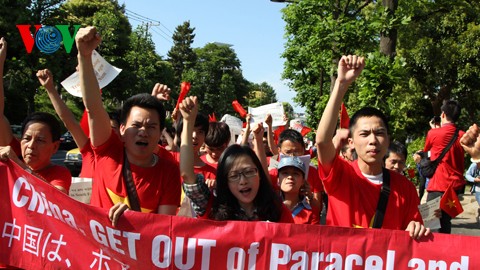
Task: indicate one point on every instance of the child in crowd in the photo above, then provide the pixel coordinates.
(216, 141)
(291, 179)
(243, 189)
(290, 143)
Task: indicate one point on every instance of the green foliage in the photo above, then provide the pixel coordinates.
(437, 57)
(441, 48)
(413, 147)
(261, 94)
(181, 55)
(217, 79)
(318, 33)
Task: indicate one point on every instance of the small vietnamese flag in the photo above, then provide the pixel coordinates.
(212, 118)
(276, 133)
(239, 109)
(450, 202)
(344, 119)
(411, 173)
(305, 131)
(184, 88)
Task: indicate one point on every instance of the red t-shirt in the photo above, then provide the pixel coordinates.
(451, 168)
(353, 199)
(208, 171)
(162, 152)
(55, 175)
(305, 213)
(88, 160)
(204, 159)
(158, 185)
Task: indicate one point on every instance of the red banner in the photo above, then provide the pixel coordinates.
(42, 228)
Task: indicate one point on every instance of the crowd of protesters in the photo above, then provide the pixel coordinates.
(266, 178)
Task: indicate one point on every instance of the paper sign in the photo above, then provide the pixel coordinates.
(81, 189)
(234, 123)
(427, 210)
(260, 113)
(104, 72)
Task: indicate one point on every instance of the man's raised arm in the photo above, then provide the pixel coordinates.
(45, 77)
(349, 67)
(87, 40)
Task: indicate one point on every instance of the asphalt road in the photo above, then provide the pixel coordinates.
(466, 223)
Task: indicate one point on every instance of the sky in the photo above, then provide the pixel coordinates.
(255, 28)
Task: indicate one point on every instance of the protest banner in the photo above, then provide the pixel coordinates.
(43, 228)
(104, 72)
(259, 114)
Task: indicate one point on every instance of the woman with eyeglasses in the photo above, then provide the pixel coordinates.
(243, 189)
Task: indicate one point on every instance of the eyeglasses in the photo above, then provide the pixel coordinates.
(247, 173)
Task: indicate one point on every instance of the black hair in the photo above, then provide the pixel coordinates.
(452, 109)
(201, 121)
(115, 116)
(144, 101)
(226, 207)
(290, 135)
(218, 134)
(367, 112)
(47, 119)
(397, 148)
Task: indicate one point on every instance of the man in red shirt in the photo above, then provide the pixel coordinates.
(155, 179)
(451, 167)
(354, 188)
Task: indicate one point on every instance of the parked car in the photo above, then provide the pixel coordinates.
(67, 142)
(17, 131)
(73, 161)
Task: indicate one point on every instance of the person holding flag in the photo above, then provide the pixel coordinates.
(449, 172)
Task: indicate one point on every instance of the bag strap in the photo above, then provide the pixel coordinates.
(382, 200)
(130, 185)
(445, 150)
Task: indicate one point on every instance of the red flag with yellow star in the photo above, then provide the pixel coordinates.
(450, 203)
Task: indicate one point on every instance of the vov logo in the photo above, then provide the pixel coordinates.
(48, 38)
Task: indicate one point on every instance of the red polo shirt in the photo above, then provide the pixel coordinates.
(451, 168)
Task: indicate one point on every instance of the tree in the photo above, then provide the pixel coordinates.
(109, 18)
(318, 33)
(435, 56)
(146, 67)
(21, 67)
(181, 55)
(217, 79)
(261, 94)
(441, 48)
